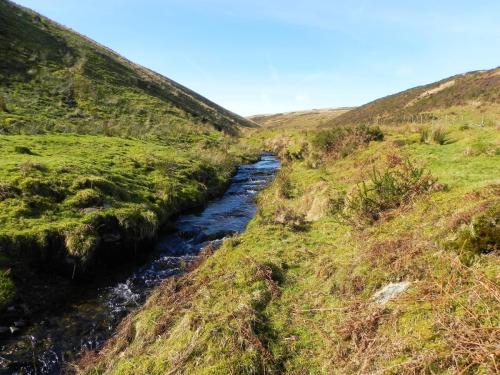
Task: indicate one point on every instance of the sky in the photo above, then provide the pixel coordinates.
(270, 56)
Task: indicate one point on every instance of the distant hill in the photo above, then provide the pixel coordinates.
(299, 119)
(52, 78)
(477, 90)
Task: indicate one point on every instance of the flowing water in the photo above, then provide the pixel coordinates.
(52, 340)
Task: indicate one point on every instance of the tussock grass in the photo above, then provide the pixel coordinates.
(437, 135)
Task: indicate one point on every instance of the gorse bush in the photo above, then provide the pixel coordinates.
(395, 186)
(342, 141)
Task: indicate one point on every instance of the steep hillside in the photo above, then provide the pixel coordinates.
(299, 119)
(52, 78)
(71, 196)
(477, 92)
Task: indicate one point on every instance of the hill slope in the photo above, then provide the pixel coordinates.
(299, 119)
(52, 78)
(66, 197)
(475, 90)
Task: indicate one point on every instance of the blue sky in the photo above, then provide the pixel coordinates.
(265, 56)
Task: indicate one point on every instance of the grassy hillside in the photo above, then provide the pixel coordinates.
(96, 153)
(53, 79)
(299, 119)
(375, 251)
(474, 96)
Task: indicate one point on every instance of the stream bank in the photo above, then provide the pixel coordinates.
(88, 319)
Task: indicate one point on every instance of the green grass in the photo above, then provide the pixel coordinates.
(55, 80)
(95, 151)
(282, 300)
(74, 191)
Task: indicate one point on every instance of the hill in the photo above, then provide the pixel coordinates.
(299, 119)
(476, 92)
(54, 79)
(96, 153)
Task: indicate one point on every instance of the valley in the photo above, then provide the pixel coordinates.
(145, 229)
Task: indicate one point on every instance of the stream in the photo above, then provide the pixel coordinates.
(55, 339)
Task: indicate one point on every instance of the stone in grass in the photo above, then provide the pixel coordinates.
(390, 291)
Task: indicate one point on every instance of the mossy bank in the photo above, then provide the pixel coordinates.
(68, 200)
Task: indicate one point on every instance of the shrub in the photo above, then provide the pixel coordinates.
(342, 141)
(374, 133)
(480, 236)
(387, 190)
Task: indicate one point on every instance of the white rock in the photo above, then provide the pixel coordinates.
(388, 292)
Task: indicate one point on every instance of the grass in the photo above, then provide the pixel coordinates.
(474, 96)
(78, 192)
(55, 80)
(282, 300)
(96, 152)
